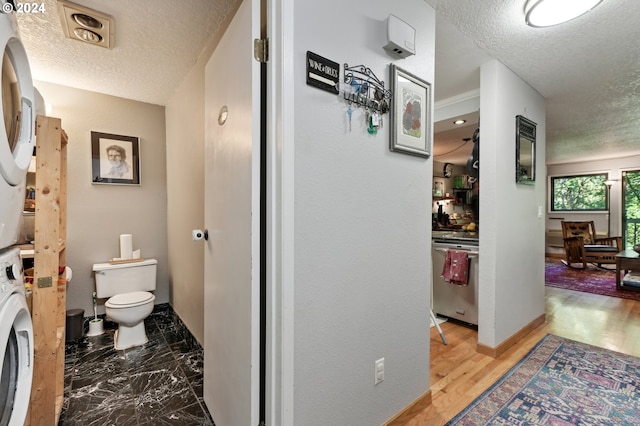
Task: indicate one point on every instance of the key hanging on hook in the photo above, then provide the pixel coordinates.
(373, 123)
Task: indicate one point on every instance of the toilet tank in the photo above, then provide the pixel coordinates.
(125, 277)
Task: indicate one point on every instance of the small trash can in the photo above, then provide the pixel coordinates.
(74, 324)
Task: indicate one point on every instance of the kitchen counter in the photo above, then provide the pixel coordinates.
(456, 236)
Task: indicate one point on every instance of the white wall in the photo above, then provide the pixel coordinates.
(511, 271)
(614, 168)
(98, 214)
(362, 230)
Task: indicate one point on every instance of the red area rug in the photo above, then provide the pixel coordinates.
(590, 280)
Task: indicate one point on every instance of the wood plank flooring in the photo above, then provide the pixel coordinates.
(459, 374)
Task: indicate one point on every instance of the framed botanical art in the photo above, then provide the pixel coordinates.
(411, 131)
(115, 159)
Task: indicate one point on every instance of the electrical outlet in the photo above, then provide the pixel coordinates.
(379, 371)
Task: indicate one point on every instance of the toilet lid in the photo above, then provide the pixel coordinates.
(130, 299)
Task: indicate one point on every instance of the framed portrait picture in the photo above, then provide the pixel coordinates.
(115, 159)
(411, 131)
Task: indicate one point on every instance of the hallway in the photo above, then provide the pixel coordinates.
(459, 374)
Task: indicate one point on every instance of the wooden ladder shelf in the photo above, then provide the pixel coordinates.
(49, 292)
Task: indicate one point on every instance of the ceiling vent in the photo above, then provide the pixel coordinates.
(86, 25)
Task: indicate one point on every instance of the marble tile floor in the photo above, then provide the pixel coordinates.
(159, 383)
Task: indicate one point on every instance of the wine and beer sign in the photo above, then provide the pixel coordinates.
(322, 73)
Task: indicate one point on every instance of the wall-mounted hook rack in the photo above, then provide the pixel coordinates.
(366, 89)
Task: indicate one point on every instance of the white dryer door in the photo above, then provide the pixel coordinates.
(18, 124)
(16, 360)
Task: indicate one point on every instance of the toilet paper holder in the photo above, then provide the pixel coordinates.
(198, 234)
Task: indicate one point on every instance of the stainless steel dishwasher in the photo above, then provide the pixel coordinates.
(450, 300)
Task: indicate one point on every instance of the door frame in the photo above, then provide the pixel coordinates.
(280, 213)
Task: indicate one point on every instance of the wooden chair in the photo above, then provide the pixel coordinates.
(582, 246)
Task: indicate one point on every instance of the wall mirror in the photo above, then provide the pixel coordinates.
(525, 150)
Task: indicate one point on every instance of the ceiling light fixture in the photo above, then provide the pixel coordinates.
(87, 21)
(87, 25)
(459, 122)
(87, 35)
(545, 13)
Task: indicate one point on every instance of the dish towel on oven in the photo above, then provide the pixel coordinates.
(456, 267)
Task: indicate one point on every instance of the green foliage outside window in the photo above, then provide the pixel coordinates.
(631, 216)
(579, 193)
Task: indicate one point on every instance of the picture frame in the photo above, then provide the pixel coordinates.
(115, 159)
(525, 150)
(411, 123)
(438, 187)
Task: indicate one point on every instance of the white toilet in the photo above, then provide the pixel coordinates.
(127, 285)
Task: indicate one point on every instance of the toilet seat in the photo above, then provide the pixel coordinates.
(129, 300)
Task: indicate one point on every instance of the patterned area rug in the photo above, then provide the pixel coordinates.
(561, 382)
(590, 280)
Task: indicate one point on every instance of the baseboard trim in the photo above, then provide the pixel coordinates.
(515, 338)
(555, 255)
(411, 410)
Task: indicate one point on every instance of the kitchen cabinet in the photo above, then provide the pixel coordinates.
(463, 196)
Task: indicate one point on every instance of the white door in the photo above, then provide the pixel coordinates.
(232, 217)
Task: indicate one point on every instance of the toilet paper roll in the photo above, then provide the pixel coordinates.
(126, 246)
(68, 273)
(136, 254)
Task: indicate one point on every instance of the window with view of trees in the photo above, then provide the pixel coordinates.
(579, 193)
(631, 205)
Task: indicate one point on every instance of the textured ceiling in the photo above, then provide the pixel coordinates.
(588, 69)
(156, 44)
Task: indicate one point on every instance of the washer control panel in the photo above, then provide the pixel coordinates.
(11, 274)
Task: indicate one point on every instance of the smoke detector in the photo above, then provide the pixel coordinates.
(86, 25)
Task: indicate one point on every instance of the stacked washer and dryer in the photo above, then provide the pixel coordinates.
(16, 148)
